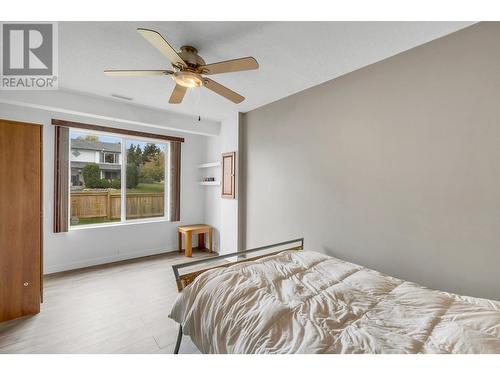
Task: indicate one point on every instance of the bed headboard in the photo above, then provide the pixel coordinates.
(223, 261)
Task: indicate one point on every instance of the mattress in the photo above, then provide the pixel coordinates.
(307, 302)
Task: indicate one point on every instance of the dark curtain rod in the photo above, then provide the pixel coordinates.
(80, 125)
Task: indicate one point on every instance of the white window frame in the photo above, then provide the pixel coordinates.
(123, 188)
(115, 157)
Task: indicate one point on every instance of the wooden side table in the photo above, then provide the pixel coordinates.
(200, 230)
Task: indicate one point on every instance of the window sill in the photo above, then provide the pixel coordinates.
(119, 224)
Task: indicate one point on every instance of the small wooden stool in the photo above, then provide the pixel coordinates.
(200, 230)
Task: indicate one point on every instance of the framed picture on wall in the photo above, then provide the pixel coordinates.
(228, 175)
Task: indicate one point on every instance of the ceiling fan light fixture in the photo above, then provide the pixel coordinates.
(188, 79)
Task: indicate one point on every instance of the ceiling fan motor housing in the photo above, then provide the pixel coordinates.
(190, 55)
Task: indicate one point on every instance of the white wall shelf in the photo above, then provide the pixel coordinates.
(210, 183)
(209, 165)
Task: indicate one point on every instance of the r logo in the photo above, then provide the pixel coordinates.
(27, 49)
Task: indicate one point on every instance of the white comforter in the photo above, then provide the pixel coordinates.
(306, 302)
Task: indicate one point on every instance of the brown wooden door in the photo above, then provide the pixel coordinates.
(20, 219)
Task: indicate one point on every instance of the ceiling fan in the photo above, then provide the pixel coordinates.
(188, 68)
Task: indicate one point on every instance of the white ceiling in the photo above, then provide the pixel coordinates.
(293, 56)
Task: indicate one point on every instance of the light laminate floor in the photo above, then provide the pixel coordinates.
(117, 308)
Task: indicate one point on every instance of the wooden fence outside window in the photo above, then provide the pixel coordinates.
(106, 204)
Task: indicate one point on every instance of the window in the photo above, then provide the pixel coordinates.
(101, 186)
(110, 157)
(112, 175)
(145, 194)
(108, 175)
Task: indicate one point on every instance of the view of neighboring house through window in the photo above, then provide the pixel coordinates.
(96, 162)
(95, 195)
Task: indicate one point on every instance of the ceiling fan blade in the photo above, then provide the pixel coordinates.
(236, 65)
(222, 90)
(177, 94)
(162, 45)
(137, 73)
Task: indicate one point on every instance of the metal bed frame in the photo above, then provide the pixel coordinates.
(186, 279)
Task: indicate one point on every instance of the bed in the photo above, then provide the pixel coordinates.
(297, 301)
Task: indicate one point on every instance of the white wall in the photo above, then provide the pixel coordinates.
(118, 111)
(222, 213)
(89, 156)
(212, 199)
(395, 166)
(85, 247)
(229, 134)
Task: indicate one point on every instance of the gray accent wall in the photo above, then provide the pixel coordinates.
(395, 166)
